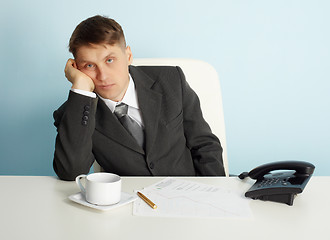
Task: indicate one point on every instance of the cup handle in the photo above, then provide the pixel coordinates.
(78, 178)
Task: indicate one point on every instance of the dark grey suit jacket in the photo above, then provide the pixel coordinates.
(178, 140)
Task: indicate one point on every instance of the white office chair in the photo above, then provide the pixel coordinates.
(203, 79)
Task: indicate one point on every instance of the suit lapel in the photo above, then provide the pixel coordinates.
(149, 103)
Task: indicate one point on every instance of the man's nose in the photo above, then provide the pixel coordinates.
(102, 74)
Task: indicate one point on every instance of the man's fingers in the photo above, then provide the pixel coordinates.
(78, 79)
(70, 63)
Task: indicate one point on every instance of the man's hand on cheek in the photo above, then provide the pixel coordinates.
(78, 79)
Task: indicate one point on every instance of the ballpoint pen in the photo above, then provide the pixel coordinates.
(147, 200)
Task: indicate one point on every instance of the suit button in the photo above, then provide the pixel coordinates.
(83, 122)
(151, 165)
(87, 107)
(86, 113)
(85, 118)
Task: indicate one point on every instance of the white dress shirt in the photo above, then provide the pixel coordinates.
(130, 98)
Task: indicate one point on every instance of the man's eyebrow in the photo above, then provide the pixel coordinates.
(111, 54)
(82, 61)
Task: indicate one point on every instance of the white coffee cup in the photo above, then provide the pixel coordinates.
(101, 188)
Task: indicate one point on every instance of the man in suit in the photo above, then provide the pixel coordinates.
(175, 140)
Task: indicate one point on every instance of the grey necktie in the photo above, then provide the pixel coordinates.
(131, 125)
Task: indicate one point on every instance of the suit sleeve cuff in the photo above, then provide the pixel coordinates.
(83, 92)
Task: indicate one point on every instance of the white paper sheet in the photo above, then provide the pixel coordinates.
(181, 198)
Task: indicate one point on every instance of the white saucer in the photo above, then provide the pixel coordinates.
(125, 199)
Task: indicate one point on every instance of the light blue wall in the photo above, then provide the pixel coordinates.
(273, 59)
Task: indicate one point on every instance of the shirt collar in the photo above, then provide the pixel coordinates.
(130, 97)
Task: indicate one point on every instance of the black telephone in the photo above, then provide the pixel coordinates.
(280, 186)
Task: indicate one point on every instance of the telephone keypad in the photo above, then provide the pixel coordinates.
(269, 182)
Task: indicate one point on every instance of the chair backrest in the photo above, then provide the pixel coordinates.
(203, 79)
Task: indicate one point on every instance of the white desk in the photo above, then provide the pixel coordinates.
(39, 208)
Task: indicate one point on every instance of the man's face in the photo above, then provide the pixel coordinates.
(107, 65)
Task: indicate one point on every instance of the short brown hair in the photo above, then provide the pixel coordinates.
(96, 30)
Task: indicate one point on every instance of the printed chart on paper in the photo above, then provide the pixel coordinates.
(181, 198)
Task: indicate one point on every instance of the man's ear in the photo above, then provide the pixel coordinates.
(129, 55)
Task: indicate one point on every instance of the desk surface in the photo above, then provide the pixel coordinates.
(39, 208)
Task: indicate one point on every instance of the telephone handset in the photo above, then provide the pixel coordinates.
(280, 186)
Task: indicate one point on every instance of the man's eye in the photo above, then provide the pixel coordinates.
(89, 65)
(109, 60)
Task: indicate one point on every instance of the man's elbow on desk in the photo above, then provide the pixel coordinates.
(68, 174)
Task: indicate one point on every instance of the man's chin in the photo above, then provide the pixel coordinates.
(106, 95)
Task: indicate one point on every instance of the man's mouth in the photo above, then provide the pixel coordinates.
(106, 86)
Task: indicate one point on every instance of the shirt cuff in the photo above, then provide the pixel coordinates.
(83, 92)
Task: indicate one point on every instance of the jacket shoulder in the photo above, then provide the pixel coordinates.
(158, 74)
